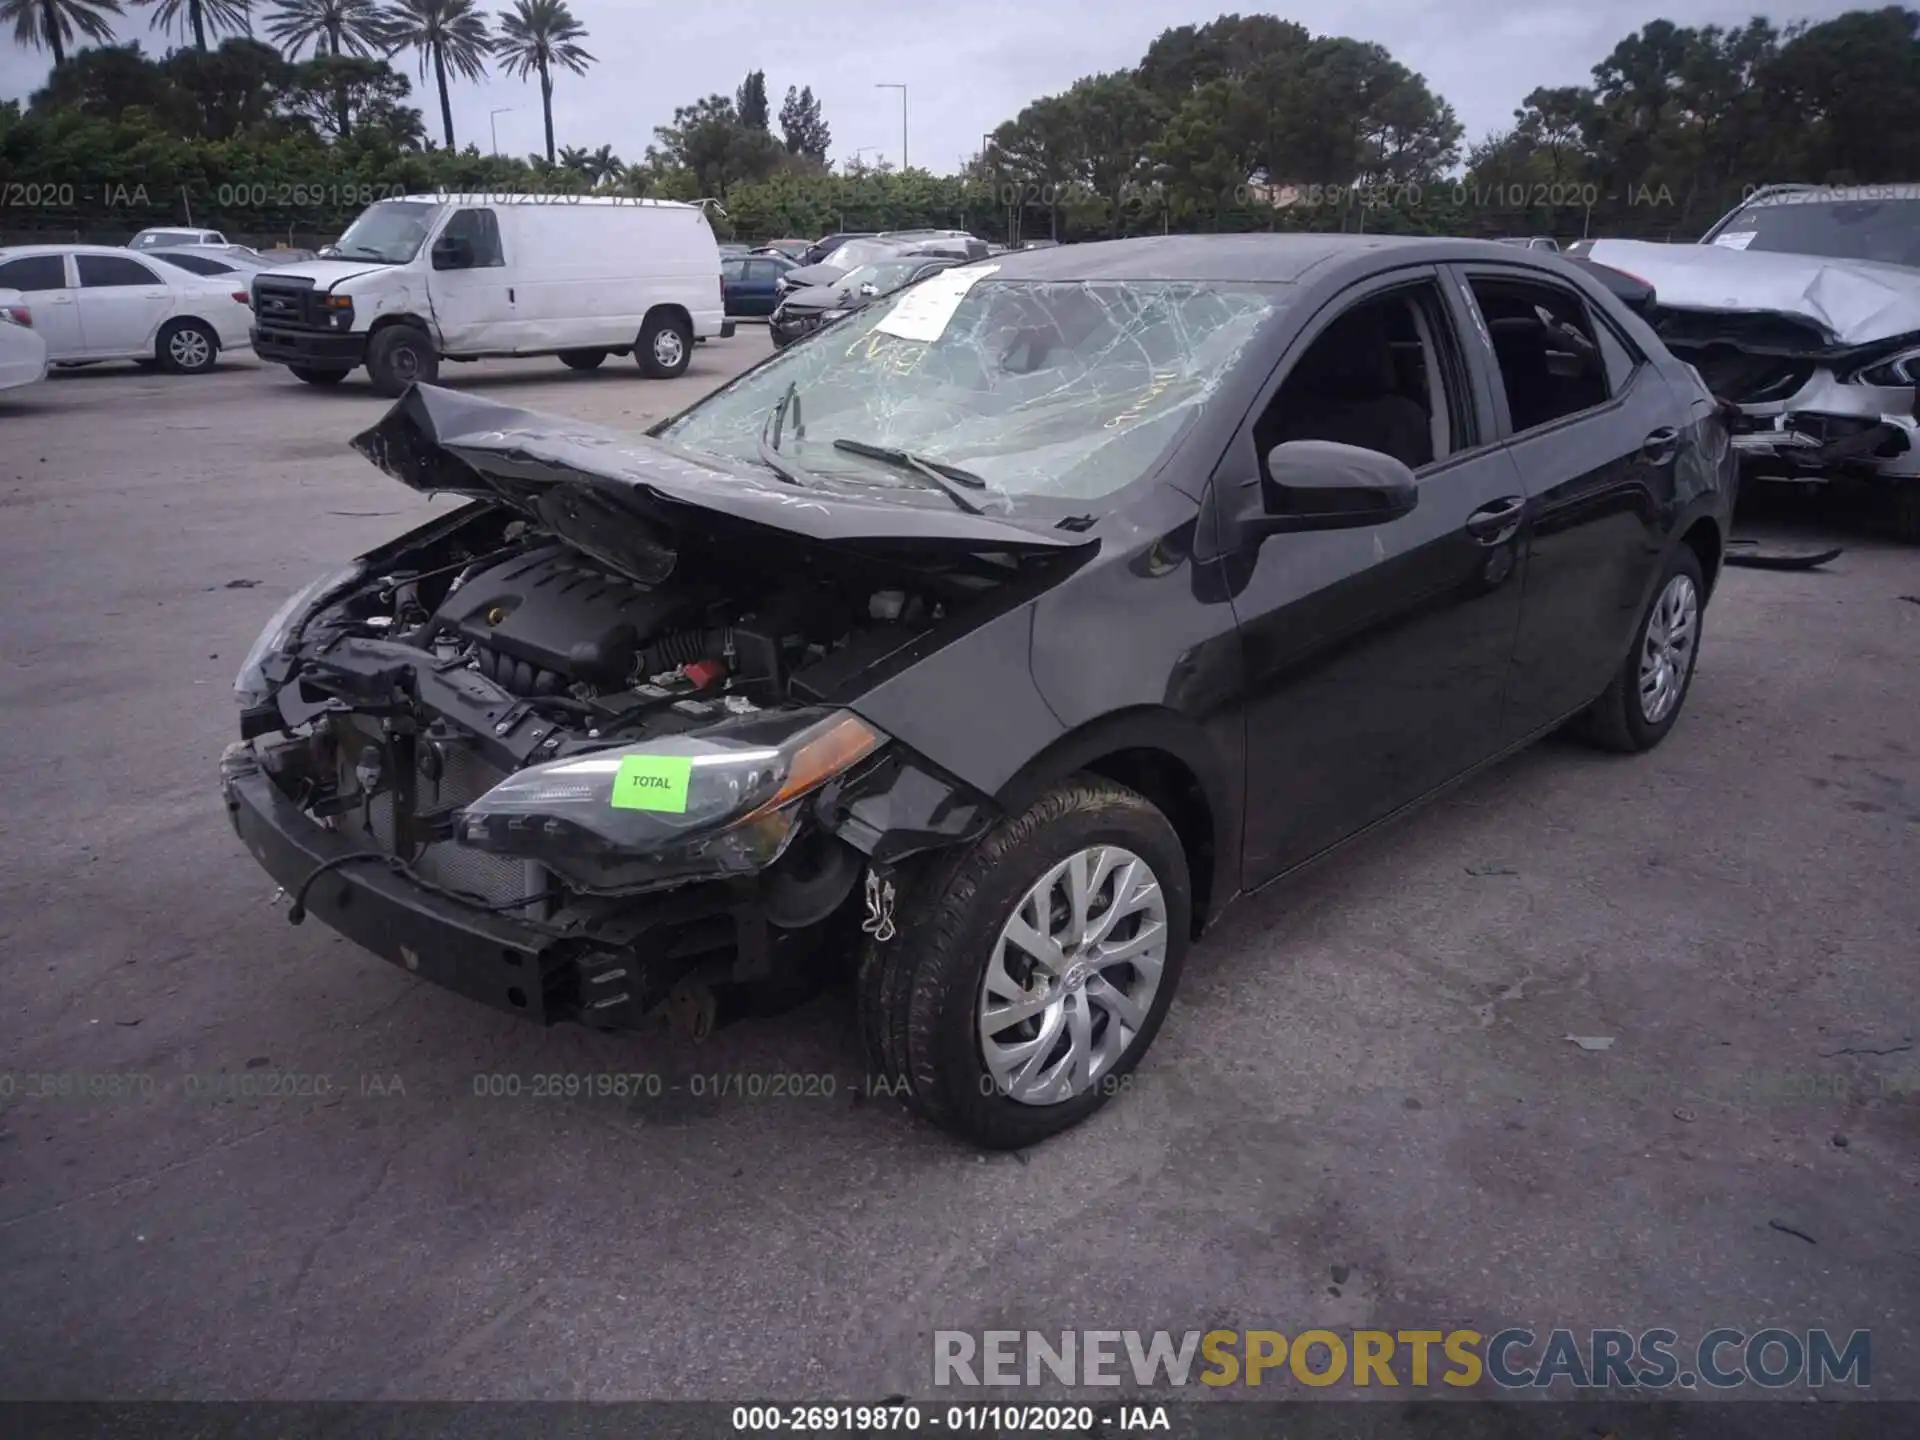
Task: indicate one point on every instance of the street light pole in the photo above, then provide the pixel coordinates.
(887, 85)
(493, 126)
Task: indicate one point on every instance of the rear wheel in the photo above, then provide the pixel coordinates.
(1644, 700)
(187, 347)
(399, 356)
(1031, 972)
(582, 359)
(666, 347)
(317, 374)
(1906, 512)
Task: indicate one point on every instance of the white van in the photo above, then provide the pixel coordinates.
(427, 278)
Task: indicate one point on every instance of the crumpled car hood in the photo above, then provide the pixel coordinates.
(818, 297)
(436, 440)
(1852, 302)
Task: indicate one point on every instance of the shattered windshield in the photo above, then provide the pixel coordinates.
(883, 277)
(390, 232)
(1064, 390)
(861, 252)
(1817, 224)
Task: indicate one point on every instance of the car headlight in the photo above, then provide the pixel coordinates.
(826, 315)
(252, 686)
(719, 801)
(1901, 369)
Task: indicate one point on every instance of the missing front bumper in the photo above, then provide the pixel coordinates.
(1827, 425)
(611, 975)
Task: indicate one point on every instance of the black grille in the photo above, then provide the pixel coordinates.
(286, 302)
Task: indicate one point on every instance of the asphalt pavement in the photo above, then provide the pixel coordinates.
(1371, 1106)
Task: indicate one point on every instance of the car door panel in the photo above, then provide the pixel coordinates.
(473, 307)
(56, 313)
(1601, 490)
(1376, 658)
(120, 310)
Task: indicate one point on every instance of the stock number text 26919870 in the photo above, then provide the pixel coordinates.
(261, 195)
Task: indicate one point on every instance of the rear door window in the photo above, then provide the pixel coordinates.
(1551, 366)
(101, 271)
(34, 272)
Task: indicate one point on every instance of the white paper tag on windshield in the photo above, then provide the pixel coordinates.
(1735, 239)
(923, 312)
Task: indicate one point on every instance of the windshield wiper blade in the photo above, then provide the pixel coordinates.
(770, 455)
(948, 478)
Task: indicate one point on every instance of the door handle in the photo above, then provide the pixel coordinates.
(62, 300)
(1661, 444)
(1497, 520)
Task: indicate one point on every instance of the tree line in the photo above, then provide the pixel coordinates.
(1246, 122)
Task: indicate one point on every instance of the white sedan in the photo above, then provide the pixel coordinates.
(23, 354)
(100, 302)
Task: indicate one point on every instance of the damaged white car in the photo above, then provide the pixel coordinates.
(1803, 307)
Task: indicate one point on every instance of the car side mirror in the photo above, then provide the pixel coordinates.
(1321, 485)
(452, 252)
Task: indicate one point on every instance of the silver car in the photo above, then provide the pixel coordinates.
(211, 259)
(1802, 305)
(174, 235)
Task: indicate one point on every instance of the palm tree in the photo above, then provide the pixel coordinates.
(451, 34)
(603, 165)
(332, 27)
(201, 17)
(49, 24)
(576, 160)
(535, 36)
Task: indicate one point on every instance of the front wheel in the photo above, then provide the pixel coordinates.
(1644, 700)
(187, 347)
(400, 356)
(1032, 971)
(666, 347)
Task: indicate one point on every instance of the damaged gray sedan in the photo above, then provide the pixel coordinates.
(1803, 307)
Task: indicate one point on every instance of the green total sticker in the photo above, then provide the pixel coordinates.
(652, 782)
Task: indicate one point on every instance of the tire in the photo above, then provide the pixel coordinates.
(317, 374)
(187, 347)
(666, 347)
(583, 359)
(1906, 512)
(1622, 719)
(923, 993)
(399, 356)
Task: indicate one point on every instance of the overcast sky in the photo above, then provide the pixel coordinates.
(967, 67)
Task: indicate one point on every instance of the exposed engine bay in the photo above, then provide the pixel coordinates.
(497, 646)
(468, 653)
(600, 722)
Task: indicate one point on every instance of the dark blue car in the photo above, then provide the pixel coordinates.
(746, 282)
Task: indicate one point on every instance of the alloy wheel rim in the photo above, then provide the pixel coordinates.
(1667, 652)
(189, 348)
(406, 362)
(1073, 976)
(667, 348)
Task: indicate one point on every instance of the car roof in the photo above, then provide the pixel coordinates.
(1257, 258)
(498, 197)
(15, 252)
(212, 252)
